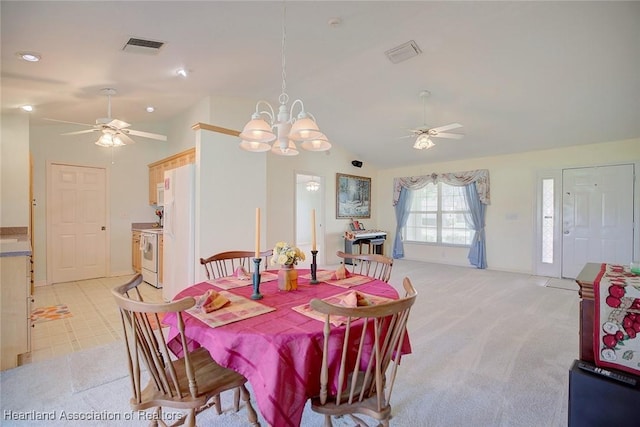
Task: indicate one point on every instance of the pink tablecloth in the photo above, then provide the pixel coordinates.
(278, 352)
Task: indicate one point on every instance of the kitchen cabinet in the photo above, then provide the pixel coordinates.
(15, 292)
(136, 256)
(160, 257)
(157, 169)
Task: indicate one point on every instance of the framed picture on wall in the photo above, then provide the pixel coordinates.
(353, 196)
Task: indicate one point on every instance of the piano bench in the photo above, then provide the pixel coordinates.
(361, 244)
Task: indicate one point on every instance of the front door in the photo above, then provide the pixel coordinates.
(597, 216)
(76, 223)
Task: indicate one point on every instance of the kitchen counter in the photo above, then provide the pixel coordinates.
(145, 226)
(15, 296)
(15, 245)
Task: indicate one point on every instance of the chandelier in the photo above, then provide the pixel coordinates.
(313, 185)
(282, 129)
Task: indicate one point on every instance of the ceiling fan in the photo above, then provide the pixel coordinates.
(424, 133)
(114, 131)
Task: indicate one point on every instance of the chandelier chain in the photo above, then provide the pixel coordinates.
(284, 98)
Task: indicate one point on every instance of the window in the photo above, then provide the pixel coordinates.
(438, 216)
(547, 220)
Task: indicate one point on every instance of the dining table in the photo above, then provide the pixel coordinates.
(275, 342)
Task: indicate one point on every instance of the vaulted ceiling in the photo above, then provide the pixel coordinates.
(517, 75)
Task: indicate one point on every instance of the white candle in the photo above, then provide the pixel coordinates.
(257, 233)
(313, 230)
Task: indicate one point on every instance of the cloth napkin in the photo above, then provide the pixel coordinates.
(241, 274)
(354, 299)
(340, 273)
(211, 301)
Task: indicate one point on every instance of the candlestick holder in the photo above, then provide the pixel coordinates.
(314, 268)
(256, 279)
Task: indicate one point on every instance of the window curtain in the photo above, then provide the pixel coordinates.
(480, 180)
(402, 208)
(475, 218)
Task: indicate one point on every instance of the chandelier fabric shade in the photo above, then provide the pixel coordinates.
(279, 133)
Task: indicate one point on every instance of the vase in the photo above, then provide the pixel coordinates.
(287, 278)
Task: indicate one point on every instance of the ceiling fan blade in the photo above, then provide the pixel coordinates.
(64, 121)
(124, 138)
(419, 130)
(448, 135)
(145, 134)
(118, 124)
(447, 127)
(78, 132)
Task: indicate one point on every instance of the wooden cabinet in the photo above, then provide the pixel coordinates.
(156, 170)
(15, 285)
(585, 281)
(136, 255)
(160, 257)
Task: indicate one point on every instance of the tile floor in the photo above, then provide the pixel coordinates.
(95, 319)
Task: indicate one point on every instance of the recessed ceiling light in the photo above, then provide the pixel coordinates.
(182, 72)
(29, 56)
(150, 109)
(27, 108)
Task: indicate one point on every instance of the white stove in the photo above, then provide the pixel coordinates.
(149, 252)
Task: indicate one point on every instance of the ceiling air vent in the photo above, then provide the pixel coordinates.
(136, 45)
(403, 52)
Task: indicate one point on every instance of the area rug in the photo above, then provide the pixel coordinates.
(51, 312)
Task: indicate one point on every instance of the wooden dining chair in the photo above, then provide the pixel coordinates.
(358, 378)
(225, 263)
(191, 382)
(372, 265)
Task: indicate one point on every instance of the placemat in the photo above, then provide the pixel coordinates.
(617, 319)
(349, 282)
(305, 309)
(232, 282)
(240, 308)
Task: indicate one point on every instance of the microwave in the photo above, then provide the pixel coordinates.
(160, 195)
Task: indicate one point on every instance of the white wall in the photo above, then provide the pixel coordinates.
(510, 218)
(281, 190)
(230, 185)
(14, 170)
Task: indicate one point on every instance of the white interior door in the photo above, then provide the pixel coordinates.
(76, 223)
(308, 197)
(597, 216)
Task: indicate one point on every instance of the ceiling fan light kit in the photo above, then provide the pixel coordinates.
(423, 142)
(283, 130)
(424, 134)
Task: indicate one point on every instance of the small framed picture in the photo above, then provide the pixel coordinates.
(353, 196)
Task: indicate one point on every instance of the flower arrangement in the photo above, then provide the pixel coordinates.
(159, 214)
(285, 254)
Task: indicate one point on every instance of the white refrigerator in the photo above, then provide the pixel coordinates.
(178, 260)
